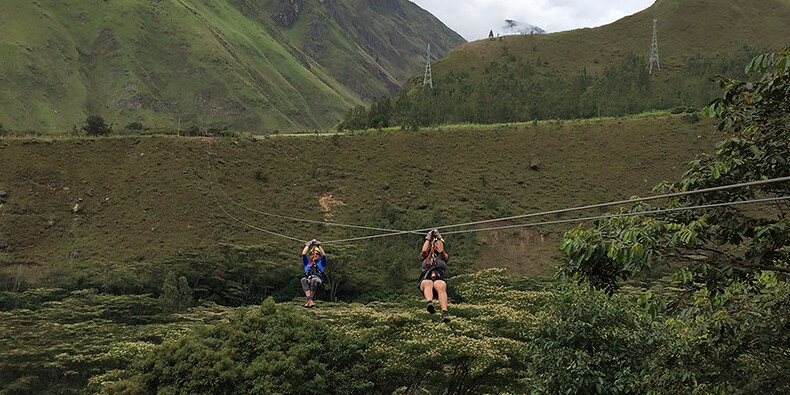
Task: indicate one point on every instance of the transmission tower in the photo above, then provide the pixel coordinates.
(428, 80)
(654, 49)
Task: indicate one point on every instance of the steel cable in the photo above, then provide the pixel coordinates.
(583, 219)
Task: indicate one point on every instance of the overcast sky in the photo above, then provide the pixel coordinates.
(472, 19)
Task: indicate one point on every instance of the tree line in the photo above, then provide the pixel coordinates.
(511, 89)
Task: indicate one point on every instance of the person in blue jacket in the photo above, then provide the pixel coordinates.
(314, 266)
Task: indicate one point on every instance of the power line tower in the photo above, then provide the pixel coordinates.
(654, 49)
(428, 80)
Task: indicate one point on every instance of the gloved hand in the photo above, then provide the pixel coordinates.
(316, 242)
(436, 234)
(429, 236)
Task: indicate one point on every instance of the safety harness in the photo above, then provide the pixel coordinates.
(430, 262)
(313, 269)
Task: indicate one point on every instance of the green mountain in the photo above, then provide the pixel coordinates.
(248, 64)
(592, 72)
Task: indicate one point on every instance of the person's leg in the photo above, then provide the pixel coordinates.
(315, 283)
(427, 290)
(307, 292)
(441, 289)
(426, 286)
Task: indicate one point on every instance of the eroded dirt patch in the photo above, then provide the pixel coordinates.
(328, 202)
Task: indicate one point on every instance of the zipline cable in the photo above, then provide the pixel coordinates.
(250, 225)
(327, 223)
(638, 200)
(216, 199)
(631, 214)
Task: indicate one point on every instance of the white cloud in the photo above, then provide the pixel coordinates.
(473, 19)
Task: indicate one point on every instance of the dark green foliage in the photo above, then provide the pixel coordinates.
(193, 131)
(732, 335)
(262, 350)
(176, 295)
(134, 126)
(237, 275)
(53, 341)
(735, 342)
(95, 126)
(220, 132)
(514, 90)
(716, 246)
(3, 132)
(30, 299)
(585, 342)
(356, 118)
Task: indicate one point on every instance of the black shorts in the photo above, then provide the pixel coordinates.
(434, 279)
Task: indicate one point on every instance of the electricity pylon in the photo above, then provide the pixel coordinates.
(428, 80)
(654, 49)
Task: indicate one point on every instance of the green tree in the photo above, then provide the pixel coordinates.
(585, 342)
(176, 294)
(718, 245)
(95, 126)
(731, 335)
(734, 342)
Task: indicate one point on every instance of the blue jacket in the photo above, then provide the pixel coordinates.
(321, 264)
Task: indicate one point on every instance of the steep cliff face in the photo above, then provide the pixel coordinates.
(255, 65)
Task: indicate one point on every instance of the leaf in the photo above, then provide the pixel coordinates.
(750, 68)
(784, 64)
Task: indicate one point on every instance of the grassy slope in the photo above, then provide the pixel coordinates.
(685, 28)
(716, 30)
(205, 63)
(150, 198)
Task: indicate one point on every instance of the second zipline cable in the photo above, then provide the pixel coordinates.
(583, 219)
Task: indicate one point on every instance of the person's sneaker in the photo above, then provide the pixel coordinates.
(430, 307)
(445, 316)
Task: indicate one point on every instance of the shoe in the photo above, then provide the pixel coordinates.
(445, 316)
(430, 307)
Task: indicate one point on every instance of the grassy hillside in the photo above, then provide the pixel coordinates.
(211, 64)
(597, 72)
(147, 200)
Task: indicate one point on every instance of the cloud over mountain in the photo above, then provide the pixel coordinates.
(516, 27)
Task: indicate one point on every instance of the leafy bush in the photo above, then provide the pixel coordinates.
(176, 295)
(732, 335)
(134, 126)
(261, 350)
(713, 246)
(586, 342)
(96, 126)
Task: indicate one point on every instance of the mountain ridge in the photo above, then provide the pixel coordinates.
(592, 72)
(234, 63)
